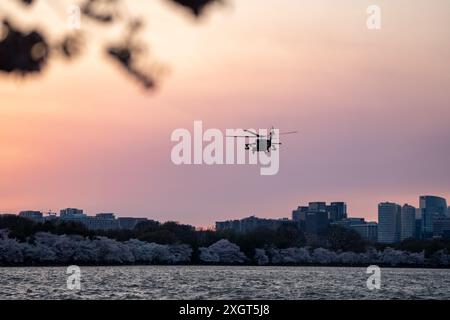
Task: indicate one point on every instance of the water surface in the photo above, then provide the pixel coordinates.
(220, 282)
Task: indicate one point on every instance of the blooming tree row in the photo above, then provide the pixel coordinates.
(48, 249)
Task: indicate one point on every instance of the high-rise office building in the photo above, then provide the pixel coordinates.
(388, 222)
(317, 207)
(434, 204)
(316, 222)
(251, 223)
(319, 215)
(300, 213)
(68, 212)
(314, 218)
(433, 208)
(349, 222)
(419, 215)
(441, 227)
(130, 223)
(36, 216)
(407, 222)
(368, 231)
(337, 211)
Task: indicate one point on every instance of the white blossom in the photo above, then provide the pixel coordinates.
(324, 256)
(47, 248)
(223, 251)
(260, 257)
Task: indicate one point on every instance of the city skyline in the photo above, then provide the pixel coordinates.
(287, 216)
(396, 223)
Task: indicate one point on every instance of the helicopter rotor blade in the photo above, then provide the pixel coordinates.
(254, 133)
(288, 132)
(241, 137)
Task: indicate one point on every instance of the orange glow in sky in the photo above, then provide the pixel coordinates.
(372, 109)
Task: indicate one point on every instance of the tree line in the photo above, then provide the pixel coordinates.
(288, 235)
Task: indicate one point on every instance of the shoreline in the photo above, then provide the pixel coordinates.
(228, 265)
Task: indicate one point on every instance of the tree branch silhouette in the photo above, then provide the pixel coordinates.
(27, 52)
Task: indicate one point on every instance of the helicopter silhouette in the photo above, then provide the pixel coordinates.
(263, 143)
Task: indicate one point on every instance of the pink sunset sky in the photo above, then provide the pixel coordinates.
(372, 109)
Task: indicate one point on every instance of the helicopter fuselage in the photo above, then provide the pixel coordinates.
(262, 142)
(260, 145)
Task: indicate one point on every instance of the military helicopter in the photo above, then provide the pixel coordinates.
(263, 143)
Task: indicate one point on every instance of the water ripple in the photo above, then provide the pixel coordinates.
(216, 282)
